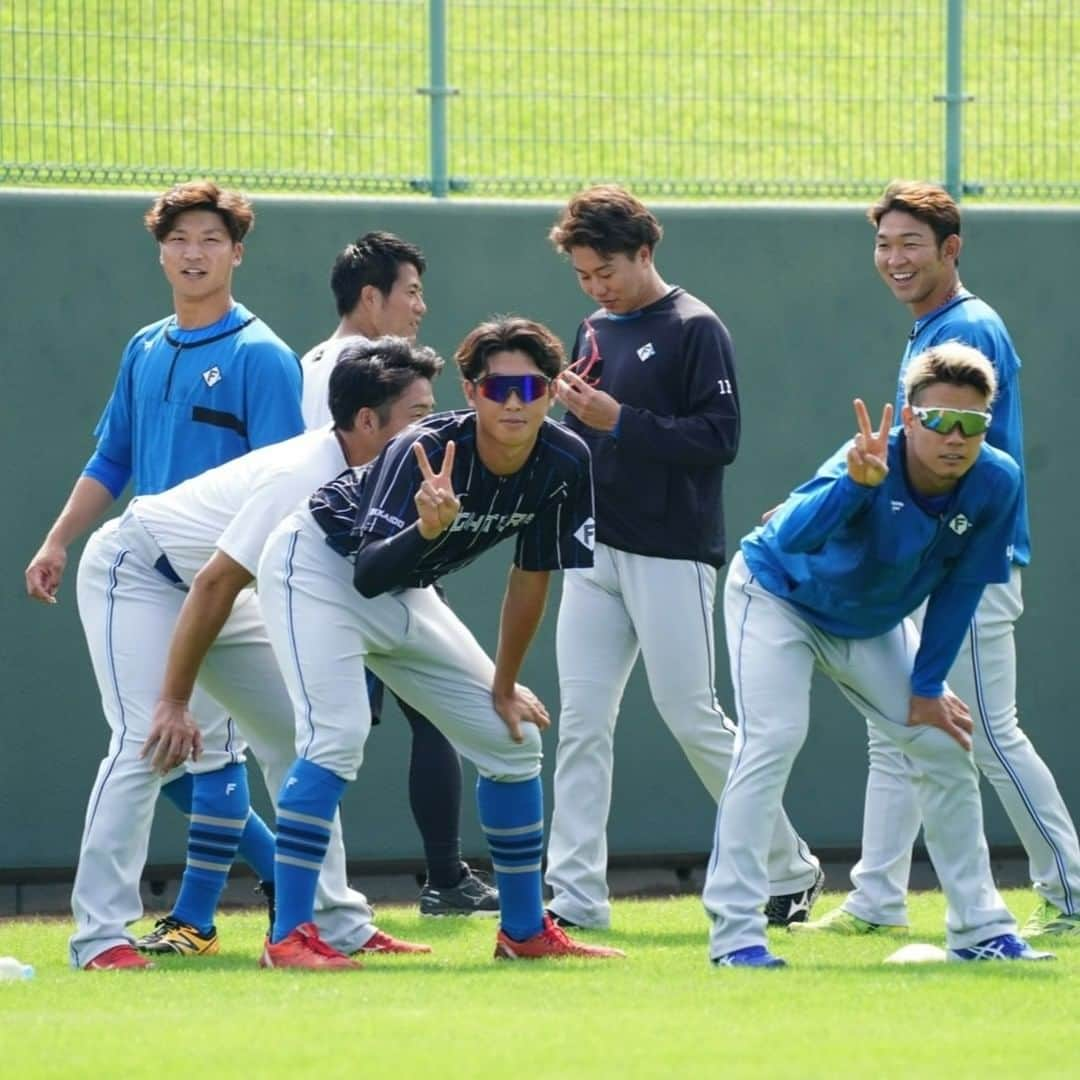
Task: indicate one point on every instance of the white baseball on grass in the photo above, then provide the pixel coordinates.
(917, 954)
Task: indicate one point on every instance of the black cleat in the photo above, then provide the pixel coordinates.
(266, 888)
(472, 895)
(561, 920)
(794, 907)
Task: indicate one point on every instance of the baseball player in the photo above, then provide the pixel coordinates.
(652, 392)
(925, 512)
(377, 290)
(163, 591)
(917, 252)
(202, 386)
(348, 582)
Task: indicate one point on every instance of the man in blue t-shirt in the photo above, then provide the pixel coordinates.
(917, 253)
(204, 385)
(924, 513)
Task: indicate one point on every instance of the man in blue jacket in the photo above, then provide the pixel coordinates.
(917, 253)
(926, 512)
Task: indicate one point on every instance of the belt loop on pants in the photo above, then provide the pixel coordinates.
(164, 568)
(148, 548)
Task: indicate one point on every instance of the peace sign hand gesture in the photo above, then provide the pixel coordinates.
(867, 459)
(436, 503)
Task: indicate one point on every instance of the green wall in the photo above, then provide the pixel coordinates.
(813, 327)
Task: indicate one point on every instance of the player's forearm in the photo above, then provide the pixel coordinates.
(818, 510)
(704, 439)
(382, 565)
(89, 499)
(522, 613)
(201, 618)
(948, 616)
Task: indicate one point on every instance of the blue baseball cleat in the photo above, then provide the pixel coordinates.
(1002, 947)
(753, 956)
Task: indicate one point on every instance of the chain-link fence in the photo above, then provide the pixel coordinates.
(681, 98)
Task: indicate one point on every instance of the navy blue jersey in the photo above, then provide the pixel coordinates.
(659, 477)
(187, 400)
(969, 320)
(547, 504)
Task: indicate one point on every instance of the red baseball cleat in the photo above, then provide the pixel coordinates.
(118, 958)
(551, 941)
(303, 948)
(380, 942)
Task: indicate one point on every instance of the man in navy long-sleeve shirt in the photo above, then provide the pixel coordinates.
(652, 391)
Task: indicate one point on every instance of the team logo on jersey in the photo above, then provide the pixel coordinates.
(586, 535)
(896, 505)
(959, 524)
(466, 521)
(646, 351)
(212, 376)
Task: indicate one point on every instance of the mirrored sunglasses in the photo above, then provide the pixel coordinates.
(498, 388)
(945, 421)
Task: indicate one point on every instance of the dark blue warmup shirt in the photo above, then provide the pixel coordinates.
(547, 504)
(659, 477)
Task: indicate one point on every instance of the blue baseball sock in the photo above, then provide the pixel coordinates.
(309, 796)
(220, 806)
(512, 817)
(257, 847)
(178, 792)
(256, 841)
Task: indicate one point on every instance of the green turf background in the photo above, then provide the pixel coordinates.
(837, 1011)
(813, 326)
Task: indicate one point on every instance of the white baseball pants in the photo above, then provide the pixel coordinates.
(984, 678)
(128, 610)
(662, 608)
(324, 633)
(773, 652)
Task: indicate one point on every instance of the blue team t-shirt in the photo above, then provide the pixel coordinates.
(185, 401)
(973, 322)
(856, 560)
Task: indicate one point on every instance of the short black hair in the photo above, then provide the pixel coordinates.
(509, 333)
(372, 259)
(374, 374)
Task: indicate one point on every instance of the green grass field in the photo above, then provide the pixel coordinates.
(838, 1011)
(697, 98)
